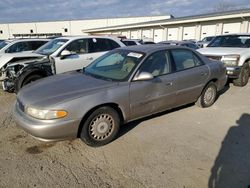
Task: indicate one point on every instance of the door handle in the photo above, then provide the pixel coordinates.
(204, 74)
(89, 58)
(169, 84)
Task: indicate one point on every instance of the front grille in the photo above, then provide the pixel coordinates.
(217, 58)
(20, 106)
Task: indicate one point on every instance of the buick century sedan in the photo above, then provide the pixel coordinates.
(121, 86)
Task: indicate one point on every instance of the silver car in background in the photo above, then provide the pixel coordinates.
(121, 86)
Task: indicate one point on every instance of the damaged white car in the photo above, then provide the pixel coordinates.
(57, 56)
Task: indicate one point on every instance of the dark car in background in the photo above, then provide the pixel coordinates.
(188, 44)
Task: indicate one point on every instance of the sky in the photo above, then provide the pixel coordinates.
(45, 10)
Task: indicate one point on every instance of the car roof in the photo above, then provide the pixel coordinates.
(29, 39)
(234, 34)
(86, 36)
(176, 41)
(150, 48)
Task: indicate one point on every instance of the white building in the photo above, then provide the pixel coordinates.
(72, 27)
(192, 27)
(156, 28)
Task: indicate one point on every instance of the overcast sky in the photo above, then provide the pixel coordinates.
(44, 10)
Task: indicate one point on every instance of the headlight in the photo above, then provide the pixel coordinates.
(231, 60)
(45, 114)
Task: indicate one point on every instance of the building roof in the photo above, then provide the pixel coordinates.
(201, 17)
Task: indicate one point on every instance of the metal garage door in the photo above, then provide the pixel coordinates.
(208, 30)
(126, 33)
(158, 35)
(146, 34)
(136, 34)
(231, 28)
(172, 34)
(189, 33)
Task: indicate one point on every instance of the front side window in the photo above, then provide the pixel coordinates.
(117, 65)
(51, 46)
(185, 59)
(78, 46)
(37, 44)
(157, 64)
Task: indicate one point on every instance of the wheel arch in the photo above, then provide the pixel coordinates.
(112, 105)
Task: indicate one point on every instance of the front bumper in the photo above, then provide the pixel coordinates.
(8, 85)
(46, 130)
(233, 72)
(222, 82)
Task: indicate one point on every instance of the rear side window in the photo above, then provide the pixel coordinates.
(129, 43)
(37, 44)
(185, 59)
(101, 45)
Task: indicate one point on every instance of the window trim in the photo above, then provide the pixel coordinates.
(147, 57)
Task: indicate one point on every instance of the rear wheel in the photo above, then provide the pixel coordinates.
(208, 96)
(243, 77)
(26, 80)
(101, 127)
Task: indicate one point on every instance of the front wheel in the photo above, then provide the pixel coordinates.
(243, 77)
(26, 80)
(101, 127)
(208, 96)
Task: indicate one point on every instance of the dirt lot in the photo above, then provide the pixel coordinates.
(187, 147)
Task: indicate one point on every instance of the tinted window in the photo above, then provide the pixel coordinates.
(3, 44)
(185, 59)
(101, 45)
(19, 47)
(129, 43)
(78, 46)
(240, 41)
(113, 44)
(37, 44)
(157, 64)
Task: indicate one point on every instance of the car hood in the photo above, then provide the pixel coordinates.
(5, 58)
(63, 87)
(220, 51)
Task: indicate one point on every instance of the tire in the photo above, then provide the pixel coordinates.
(101, 127)
(208, 96)
(243, 77)
(26, 80)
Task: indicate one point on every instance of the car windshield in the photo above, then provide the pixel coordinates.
(116, 65)
(3, 44)
(238, 41)
(51, 46)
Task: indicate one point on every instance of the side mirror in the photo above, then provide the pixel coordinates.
(65, 53)
(143, 76)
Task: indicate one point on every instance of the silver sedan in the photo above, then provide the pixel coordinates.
(121, 86)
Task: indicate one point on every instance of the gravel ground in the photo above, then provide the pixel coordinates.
(186, 147)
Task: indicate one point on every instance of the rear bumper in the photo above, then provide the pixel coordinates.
(46, 130)
(233, 72)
